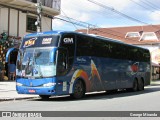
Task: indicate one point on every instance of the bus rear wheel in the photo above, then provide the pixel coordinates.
(44, 97)
(140, 85)
(134, 87)
(79, 90)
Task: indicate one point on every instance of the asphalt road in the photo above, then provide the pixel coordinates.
(147, 100)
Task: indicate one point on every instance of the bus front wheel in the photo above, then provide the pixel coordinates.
(79, 90)
(44, 97)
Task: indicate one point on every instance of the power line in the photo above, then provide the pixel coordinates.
(149, 4)
(122, 14)
(118, 12)
(106, 15)
(152, 4)
(79, 21)
(143, 6)
(69, 19)
(94, 29)
(139, 5)
(82, 25)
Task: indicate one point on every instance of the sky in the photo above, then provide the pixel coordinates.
(136, 12)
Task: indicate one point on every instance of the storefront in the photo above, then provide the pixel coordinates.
(155, 57)
(8, 52)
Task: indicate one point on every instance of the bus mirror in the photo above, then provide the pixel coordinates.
(55, 57)
(37, 54)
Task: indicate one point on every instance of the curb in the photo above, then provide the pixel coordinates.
(18, 98)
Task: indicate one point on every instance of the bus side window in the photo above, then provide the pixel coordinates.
(62, 62)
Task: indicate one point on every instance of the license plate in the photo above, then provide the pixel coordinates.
(31, 91)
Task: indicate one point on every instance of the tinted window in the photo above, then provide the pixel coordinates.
(62, 62)
(84, 46)
(31, 27)
(68, 42)
(91, 46)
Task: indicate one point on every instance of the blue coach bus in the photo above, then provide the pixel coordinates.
(70, 63)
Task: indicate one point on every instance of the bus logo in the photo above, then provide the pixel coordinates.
(47, 41)
(30, 42)
(68, 40)
(134, 68)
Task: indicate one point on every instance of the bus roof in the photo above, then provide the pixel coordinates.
(60, 32)
(47, 33)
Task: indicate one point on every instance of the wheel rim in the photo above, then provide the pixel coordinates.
(141, 85)
(135, 87)
(79, 89)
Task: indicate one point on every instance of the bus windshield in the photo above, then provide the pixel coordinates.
(36, 62)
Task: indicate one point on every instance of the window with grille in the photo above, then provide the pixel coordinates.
(31, 27)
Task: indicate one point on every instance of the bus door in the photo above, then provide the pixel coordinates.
(62, 69)
(65, 61)
(62, 62)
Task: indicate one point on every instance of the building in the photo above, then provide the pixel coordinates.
(17, 18)
(147, 36)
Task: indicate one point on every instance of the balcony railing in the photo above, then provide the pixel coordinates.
(55, 4)
(49, 7)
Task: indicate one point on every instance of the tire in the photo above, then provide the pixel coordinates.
(111, 91)
(135, 86)
(44, 97)
(79, 90)
(141, 85)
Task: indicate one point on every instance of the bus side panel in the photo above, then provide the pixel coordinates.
(106, 73)
(63, 83)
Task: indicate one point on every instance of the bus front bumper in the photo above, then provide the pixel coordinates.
(36, 90)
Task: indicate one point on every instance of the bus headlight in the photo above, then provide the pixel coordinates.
(49, 84)
(19, 84)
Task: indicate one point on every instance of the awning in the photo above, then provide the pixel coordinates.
(9, 51)
(155, 65)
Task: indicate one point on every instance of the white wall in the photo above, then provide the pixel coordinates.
(13, 22)
(13, 30)
(150, 47)
(46, 24)
(3, 20)
(22, 24)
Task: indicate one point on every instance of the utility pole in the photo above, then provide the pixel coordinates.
(39, 12)
(88, 27)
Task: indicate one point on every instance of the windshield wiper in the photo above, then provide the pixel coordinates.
(27, 66)
(40, 73)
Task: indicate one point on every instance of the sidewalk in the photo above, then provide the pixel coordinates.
(8, 92)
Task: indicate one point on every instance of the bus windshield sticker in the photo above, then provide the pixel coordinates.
(46, 40)
(30, 42)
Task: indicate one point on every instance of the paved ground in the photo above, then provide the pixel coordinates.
(8, 91)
